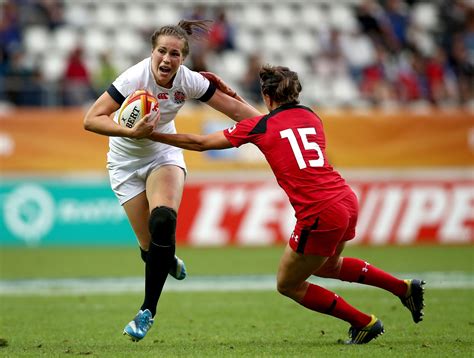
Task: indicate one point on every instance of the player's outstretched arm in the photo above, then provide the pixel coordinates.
(231, 107)
(194, 142)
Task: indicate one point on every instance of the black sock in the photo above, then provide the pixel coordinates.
(143, 254)
(158, 264)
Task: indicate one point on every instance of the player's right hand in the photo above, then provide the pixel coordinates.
(219, 83)
(146, 125)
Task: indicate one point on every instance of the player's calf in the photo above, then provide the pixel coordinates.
(177, 269)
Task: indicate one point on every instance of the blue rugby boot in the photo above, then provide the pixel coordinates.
(413, 299)
(178, 269)
(367, 333)
(138, 328)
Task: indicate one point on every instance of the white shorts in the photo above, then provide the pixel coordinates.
(128, 176)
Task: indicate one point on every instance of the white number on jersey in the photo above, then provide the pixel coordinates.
(303, 133)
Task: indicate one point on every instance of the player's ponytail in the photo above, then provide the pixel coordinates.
(196, 29)
(281, 84)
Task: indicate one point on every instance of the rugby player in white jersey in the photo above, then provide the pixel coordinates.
(146, 176)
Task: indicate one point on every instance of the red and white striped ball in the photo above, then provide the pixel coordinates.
(135, 107)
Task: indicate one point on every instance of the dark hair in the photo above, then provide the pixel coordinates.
(281, 84)
(185, 29)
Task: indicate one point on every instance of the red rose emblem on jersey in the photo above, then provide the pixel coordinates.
(179, 97)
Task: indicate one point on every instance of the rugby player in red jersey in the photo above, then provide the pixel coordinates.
(291, 137)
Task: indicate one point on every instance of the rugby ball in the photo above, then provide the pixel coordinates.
(135, 107)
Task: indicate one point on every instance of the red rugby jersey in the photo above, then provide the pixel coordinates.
(292, 139)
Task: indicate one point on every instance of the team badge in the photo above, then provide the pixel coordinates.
(179, 97)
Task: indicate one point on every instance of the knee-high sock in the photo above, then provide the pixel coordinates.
(162, 226)
(324, 301)
(356, 270)
(158, 264)
(143, 254)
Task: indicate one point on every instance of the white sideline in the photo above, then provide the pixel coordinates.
(81, 286)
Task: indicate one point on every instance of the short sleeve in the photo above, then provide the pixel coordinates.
(196, 85)
(239, 133)
(128, 82)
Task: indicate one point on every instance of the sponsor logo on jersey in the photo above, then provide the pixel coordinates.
(231, 129)
(162, 95)
(294, 237)
(179, 97)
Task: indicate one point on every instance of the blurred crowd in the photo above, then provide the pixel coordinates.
(389, 58)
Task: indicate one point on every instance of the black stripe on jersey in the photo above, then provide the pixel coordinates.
(115, 94)
(209, 93)
(261, 126)
(304, 236)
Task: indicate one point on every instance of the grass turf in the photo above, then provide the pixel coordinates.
(119, 261)
(252, 324)
(221, 324)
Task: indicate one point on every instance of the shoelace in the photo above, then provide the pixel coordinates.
(143, 321)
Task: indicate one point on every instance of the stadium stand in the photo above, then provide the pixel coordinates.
(357, 53)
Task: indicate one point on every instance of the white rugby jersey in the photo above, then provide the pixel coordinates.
(187, 84)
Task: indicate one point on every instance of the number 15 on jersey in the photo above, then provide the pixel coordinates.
(307, 145)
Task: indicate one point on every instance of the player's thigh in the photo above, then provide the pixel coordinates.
(138, 213)
(295, 268)
(164, 187)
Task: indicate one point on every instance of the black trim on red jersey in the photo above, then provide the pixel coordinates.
(115, 94)
(261, 126)
(209, 93)
(304, 236)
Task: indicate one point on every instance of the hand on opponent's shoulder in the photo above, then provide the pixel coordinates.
(221, 85)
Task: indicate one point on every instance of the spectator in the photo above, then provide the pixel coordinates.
(386, 32)
(250, 83)
(438, 74)
(105, 74)
(10, 29)
(376, 85)
(23, 83)
(43, 12)
(411, 80)
(463, 69)
(221, 36)
(468, 35)
(34, 94)
(453, 14)
(397, 23)
(331, 63)
(358, 51)
(76, 82)
(3, 73)
(369, 15)
(197, 59)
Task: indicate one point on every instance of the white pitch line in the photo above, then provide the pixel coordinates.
(89, 286)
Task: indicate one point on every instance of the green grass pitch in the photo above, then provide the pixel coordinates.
(227, 324)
